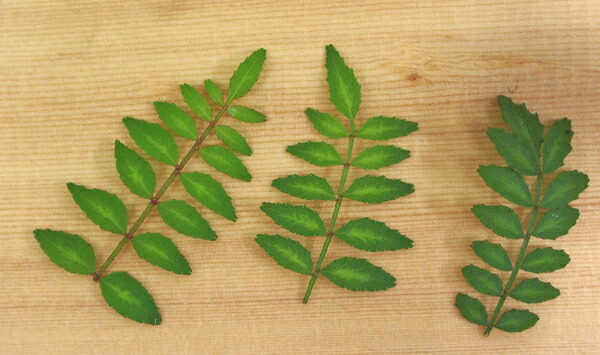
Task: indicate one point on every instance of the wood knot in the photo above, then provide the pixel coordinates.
(413, 77)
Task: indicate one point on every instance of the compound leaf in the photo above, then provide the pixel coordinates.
(286, 252)
(153, 139)
(471, 309)
(377, 189)
(128, 297)
(500, 219)
(101, 207)
(177, 119)
(507, 183)
(308, 187)
(296, 219)
(185, 219)
(233, 139)
(69, 251)
(556, 223)
(196, 102)
(214, 92)
(515, 320)
(557, 145)
(517, 153)
(370, 235)
(246, 75)
(225, 161)
(358, 275)
(493, 254)
(565, 187)
(245, 114)
(326, 124)
(160, 251)
(482, 280)
(382, 128)
(135, 171)
(544, 260)
(379, 156)
(534, 291)
(316, 153)
(209, 192)
(344, 89)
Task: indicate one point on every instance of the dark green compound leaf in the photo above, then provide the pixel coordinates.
(153, 139)
(196, 102)
(482, 280)
(286, 252)
(493, 254)
(518, 154)
(69, 251)
(246, 75)
(214, 92)
(544, 260)
(556, 223)
(160, 251)
(344, 89)
(296, 219)
(557, 145)
(245, 114)
(128, 297)
(379, 156)
(471, 309)
(316, 153)
(209, 192)
(103, 208)
(225, 161)
(358, 275)
(377, 189)
(176, 119)
(515, 320)
(383, 128)
(326, 124)
(185, 219)
(522, 122)
(534, 291)
(370, 235)
(500, 219)
(507, 183)
(308, 187)
(135, 171)
(565, 187)
(233, 139)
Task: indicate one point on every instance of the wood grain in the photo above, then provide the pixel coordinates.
(70, 70)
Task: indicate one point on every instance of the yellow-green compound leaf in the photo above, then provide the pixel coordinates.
(185, 219)
(214, 92)
(326, 124)
(493, 254)
(565, 187)
(196, 102)
(515, 320)
(128, 297)
(482, 280)
(160, 251)
(500, 219)
(153, 139)
(245, 114)
(176, 119)
(135, 171)
(370, 235)
(103, 208)
(556, 223)
(507, 183)
(534, 291)
(517, 153)
(286, 252)
(382, 128)
(344, 89)
(557, 145)
(209, 192)
(308, 187)
(316, 153)
(522, 122)
(233, 139)
(544, 260)
(377, 189)
(379, 156)
(296, 219)
(66, 250)
(471, 309)
(358, 275)
(246, 75)
(225, 161)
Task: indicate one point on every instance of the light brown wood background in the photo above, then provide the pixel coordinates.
(70, 70)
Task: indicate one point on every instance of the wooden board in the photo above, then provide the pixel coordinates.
(70, 70)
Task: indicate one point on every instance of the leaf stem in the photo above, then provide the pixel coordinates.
(154, 201)
(336, 211)
(513, 275)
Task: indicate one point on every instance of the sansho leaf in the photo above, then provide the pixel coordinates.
(209, 192)
(308, 187)
(225, 161)
(556, 223)
(185, 219)
(358, 275)
(507, 183)
(344, 89)
(534, 291)
(482, 280)
(382, 128)
(295, 218)
(196, 102)
(517, 153)
(326, 124)
(379, 156)
(214, 92)
(471, 309)
(153, 139)
(246, 75)
(522, 122)
(286, 252)
(176, 119)
(377, 189)
(69, 251)
(500, 219)
(128, 297)
(370, 235)
(233, 139)
(557, 145)
(316, 153)
(103, 208)
(515, 320)
(565, 187)
(493, 254)
(544, 260)
(160, 251)
(135, 171)
(245, 114)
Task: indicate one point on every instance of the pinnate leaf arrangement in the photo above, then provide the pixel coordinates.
(123, 292)
(354, 274)
(528, 151)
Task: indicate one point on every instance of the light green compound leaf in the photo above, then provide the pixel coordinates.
(344, 89)
(515, 320)
(160, 251)
(383, 128)
(128, 297)
(69, 251)
(534, 291)
(286, 252)
(507, 183)
(246, 75)
(471, 309)
(153, 139)
(103, 208)
(209, 192)
(135, 171)
(176, 119)
(185, 219)
(308, 187)
(196, 102)
(377, 189)
(500, 219)
(379, 156)
(557, 145)
(296, 219)
(370, 235)
(214, 92)
(556, 223)
(358, 275)
(482, 280)
(493, 254)
(233, 139)
(245, 114)
(326, 124)
(517, 153)
(522, 122)
(544, 260)
(225, 161)
(316, 153)
(565, 187)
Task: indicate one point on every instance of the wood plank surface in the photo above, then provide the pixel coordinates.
(70, 70)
